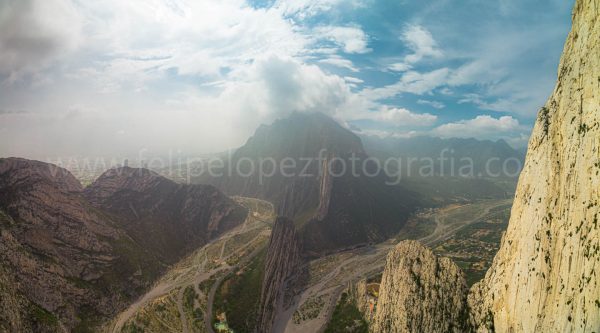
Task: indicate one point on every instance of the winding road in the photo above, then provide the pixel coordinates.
(371, 259)
(183, 275)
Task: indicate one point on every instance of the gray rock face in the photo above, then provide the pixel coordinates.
(420, 293)
(281, 267)
(545, 275)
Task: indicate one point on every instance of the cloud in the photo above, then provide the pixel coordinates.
(192, 120)
(339, 62)
(411, 82)
(350, 39)
(399, 67)
(482, 126)
(302, 9)
(500, 104)
(421, 42)
(434, 104)
(34, 33)
(201, 75)
(390, 134)
(353, 79)
(402, 117)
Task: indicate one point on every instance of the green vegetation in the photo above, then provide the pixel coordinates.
(438, 191)
(239, 294)
(132, 258)
(346, 318)
(194, 314)
(161, 315)
(474, 246)
(544, 119)
(43, 317)
(131, 328)
(309, 310)
(205, 285)
(5, 219)
(417, 228)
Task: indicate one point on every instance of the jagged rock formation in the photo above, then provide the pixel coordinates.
(282, 267)
(334, 202)
(545, 275)
(420, 293)
(65, 263)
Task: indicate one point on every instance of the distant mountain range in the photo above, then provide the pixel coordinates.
(72, 257)
(448, 156)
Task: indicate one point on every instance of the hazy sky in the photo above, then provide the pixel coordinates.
(84, 77)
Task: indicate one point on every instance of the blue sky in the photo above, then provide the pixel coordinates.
(88, 78)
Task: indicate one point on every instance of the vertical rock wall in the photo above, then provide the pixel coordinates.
(545, 275)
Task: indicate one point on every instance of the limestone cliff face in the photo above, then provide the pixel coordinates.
(545, 277)
(420, 293)
(281, 267)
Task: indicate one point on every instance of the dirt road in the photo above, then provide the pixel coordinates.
(195, 269)
(363, 261)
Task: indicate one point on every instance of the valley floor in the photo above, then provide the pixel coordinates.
(331, 275)
(182, 301)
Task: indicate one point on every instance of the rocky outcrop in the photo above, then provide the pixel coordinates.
(545, 277)
(70, 258)
(282, 269)
(420, 293)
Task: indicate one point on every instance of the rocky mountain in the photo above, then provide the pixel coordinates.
(487, 157)
(333, 204)
(70, 258)
(420, 293)
(164, 217)
(450, 170)
(545, 275)
(324, 202)
(544, 278)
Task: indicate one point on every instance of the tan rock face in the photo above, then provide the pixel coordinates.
(545, 275)
(420, 293)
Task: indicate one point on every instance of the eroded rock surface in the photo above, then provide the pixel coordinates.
(281, 269)
(420, 292)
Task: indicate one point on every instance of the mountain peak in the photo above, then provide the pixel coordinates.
(304, 135)
(124, 178)
(17, 171)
